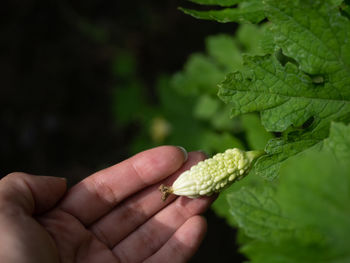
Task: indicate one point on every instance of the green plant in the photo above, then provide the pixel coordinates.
(299, 83)
(304, 217)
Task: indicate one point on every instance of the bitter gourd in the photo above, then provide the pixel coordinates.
(212, 175)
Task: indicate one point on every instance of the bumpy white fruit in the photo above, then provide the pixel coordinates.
(212, 175)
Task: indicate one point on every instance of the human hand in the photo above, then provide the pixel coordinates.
(114, 215)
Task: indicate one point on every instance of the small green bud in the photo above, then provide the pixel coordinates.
(213, 174)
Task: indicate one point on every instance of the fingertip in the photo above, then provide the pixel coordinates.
(184, 153)
(58, 184)
(179, 153)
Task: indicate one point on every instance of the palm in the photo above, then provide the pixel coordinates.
(116, 215)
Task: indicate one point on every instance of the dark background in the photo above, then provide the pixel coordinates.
(57, 81)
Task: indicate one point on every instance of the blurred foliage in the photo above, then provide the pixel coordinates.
(188, 112)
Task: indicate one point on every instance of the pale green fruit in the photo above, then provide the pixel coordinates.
(213, 174)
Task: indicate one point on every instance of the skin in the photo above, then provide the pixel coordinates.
(114, 215)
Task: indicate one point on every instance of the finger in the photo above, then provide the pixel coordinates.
(137, 209)
(99, 193)
(152, 235)
(33, 194)
(183, 244)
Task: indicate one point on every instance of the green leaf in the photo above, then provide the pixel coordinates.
(318, 41)
(285, 96)
(259, 215)
(250, 36)
(224, 50)
(256, 135)
(217, 2)
(267, 40)
(339, 141)
(221, 205)
(280, 149)
(289, 251)
(221, 121)
(206, 107)
(248, 11)
(305, 219)
(200, 75)
(300, 88)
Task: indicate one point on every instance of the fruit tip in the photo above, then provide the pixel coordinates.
(166, 191)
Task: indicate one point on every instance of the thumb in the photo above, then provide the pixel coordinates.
(33, 194)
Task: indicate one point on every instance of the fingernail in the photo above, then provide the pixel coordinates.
(63, 178)
(184, 152)
(203, 152)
